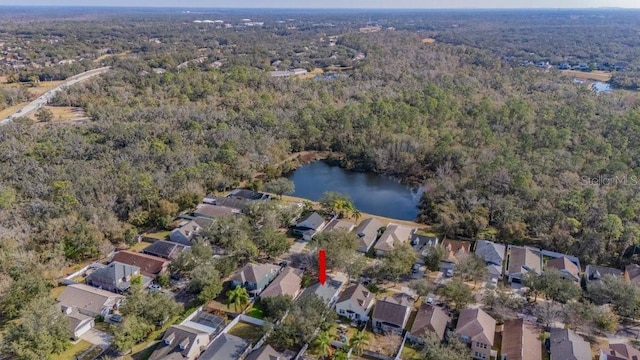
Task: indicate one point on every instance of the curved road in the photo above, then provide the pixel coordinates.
(46, 97)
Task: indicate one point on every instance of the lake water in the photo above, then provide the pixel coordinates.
(371, 193)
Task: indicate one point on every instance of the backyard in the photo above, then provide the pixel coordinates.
(73, 351)
(247, 331)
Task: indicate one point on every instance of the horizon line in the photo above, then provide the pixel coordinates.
(314, 8)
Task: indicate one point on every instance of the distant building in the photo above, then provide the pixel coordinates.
(340, 224)
(226, 347)
(165, 249)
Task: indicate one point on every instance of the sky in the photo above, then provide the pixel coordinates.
(413, 4)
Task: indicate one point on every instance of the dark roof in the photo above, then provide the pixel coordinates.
(596, 272)
(430, 318)
(214, 211)
(226, 347)
(422, 240)
(178, 339)
(165, 249)
(621, 352)
(312, 221)
(360, 295)
(490, 252)
(390, 311)
(113, 274)
(567, 345)
(230, 202)
(148, 264)
(247, 194)
(265, 352)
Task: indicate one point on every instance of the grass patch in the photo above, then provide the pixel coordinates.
(104, 327)
(91, 355)
(56, 291)
(410, 353)
(247, 331)
(73, 351)
(256, 312)
(139, 246)
(158, 235)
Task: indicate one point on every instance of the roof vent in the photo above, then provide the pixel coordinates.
(169, 339)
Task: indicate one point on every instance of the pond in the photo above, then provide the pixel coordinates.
(371, 193)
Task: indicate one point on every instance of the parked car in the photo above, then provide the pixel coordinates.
(155, 287)
(449, 273)
(416, 268)
(116, 318)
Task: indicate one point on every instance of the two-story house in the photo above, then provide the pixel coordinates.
(116, 277)
(477, 329)
(355, 302)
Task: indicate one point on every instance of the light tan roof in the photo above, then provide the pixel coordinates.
(340, 224)
(430, 318)
(286, 283)
(621, 352)
(524, 257)
(395, 234)
(477, 325)
(520, 340)
(254, 272)
(563, 263)
(359, 294)
(86, 297)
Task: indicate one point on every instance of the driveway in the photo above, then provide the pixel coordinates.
(297, 247)
(97, 337)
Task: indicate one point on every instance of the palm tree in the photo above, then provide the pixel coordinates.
(323, 342)
(359, 341)
(239, 297)
(356, 214)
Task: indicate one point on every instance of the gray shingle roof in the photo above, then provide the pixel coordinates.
(477, 325)
(390, 311)
(490, 252)
(86, 297)
(265, 352)
(225, 347)
(567, 345)
(367, 232)
(178, 339)
(359, 294)
(117, 274)
(430, 318)
(325, 292)
(312, 221)
(254, 273)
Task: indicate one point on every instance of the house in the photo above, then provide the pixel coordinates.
(493, 255)
(421, 241)
(180, 342)
(204, 322)
(340, 224)
(568, 269)
(214, 211)
(367, 232)
(116, 277)
(265, 352)
(355, 302)
(455, 250)
(288, 283)
(632, 274)
(328, 292)
(246, 194)
(79, 323)
(149, 265)
(521, 261)
(255, 277)
(392, 313)
(89, 300)
(596, 272)
(520, 341)
(394, 235)
(429, 318)
(235, 203)
(309, 226)
(82, 304)
(226, 347)
(185, 232)
(619, 352)
(477, 329)
(165, 249)
(565, 344)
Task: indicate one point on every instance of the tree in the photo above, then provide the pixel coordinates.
(553, 285)
(471, 268)
(359, 342)
(547, 312)
(433, 257)
(339, 246)
(337, 203)
(153, 308)
(44, 114)
(198, 254)
(272, 242)
(40, 332)
(322, 342)
(276, 306)
(422, 287)
(434, 349)
(239, 297)
(306, 315)
(502, 303)
(28, 284)
(398, 262)
(458, 293)
(624, 297)
(129, 332)
(205, 282)
(355, 266)
(279, 186)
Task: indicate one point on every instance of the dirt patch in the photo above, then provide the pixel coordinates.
(312, 73)
(62, 115)
(428, 40)
(593, 75)
(105, 56)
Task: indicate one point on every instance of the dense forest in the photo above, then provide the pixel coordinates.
(521, 155)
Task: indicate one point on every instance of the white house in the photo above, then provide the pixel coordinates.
(355, 303)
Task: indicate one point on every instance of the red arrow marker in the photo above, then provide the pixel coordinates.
(322, 267)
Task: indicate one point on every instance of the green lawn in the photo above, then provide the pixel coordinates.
(73, 351)
(409, 353)
(139, 246)
(257, 311)
(247, 331)
(160, 235)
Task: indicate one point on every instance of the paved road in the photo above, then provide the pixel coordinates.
(46, 97)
